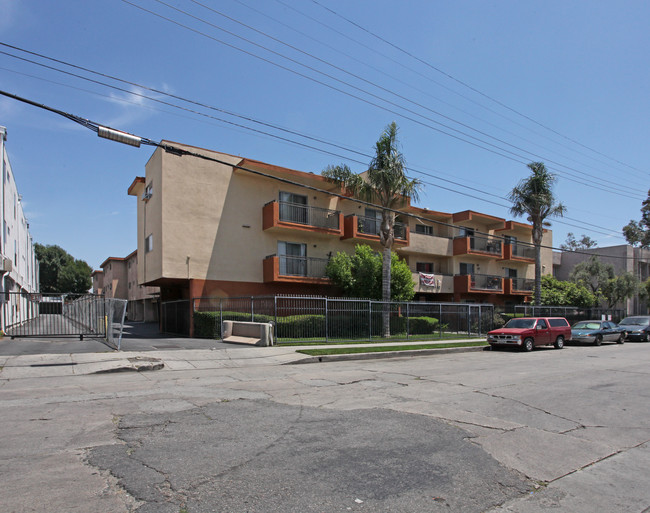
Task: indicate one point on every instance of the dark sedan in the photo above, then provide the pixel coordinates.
(597, 332)
(637, 327)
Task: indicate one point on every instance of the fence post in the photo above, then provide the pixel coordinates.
(369, 321)
(275, 316)
(252, 309)
(440, 320)
(220, 317)
(326, 319)
(408, 317)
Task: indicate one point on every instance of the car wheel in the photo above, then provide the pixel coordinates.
(528, 345)
(559, 342)
(644, 338)
(621, 338)
(599, 340)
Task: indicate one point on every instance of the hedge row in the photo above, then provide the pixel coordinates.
(206, 325)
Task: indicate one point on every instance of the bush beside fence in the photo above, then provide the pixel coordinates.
(313, 326)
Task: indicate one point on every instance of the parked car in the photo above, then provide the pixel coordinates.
(637, 327)
(597, 332)
(529, 332)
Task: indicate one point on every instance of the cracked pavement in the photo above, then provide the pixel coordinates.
(484, 431)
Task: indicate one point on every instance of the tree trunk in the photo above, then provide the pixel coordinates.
(537, 241)
(386, 236)
(385, 291)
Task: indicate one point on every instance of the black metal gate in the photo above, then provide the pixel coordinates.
(54, 315)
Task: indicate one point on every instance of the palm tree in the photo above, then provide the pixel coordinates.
(384, 184)
(533, 196)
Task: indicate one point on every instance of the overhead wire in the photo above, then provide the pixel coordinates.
(468, 86)
(463, 135)
(611, 184)
(439, 84)
(97, 127)
(158, 100)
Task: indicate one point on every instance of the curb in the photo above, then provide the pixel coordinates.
(387, 354)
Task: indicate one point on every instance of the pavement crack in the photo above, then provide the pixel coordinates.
(536, 408)
(599, 460)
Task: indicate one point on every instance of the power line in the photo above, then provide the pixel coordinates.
(134, 140)
(429, 65)
(403, 65)
(462, 137)
(284, 139)
(611, 184)
(157, 100)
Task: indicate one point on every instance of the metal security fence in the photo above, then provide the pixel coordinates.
(115, 310)
(175, 317)
(63, 315)
(309, 318)
(571, 313)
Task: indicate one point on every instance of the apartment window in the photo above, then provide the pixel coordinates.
(510, 273)
(466, 268)
(148, 192)
(293, 258)
(424, 267)
(293, 208)
(424, 229)
(148, 244)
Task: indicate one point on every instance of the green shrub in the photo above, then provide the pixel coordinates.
(206, 325)
(498, 321)
(341, 326)
(423, 325)
(301, 326)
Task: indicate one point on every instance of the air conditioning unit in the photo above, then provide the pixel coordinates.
(146, 196)
(6, 265)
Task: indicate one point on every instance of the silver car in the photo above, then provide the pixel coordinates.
(637, 327)
(597, 332)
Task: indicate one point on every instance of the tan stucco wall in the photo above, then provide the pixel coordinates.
(115, 279)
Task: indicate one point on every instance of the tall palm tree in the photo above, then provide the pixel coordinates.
(533, 196)
(386, 185)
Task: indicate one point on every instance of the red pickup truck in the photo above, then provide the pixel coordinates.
(528, 332)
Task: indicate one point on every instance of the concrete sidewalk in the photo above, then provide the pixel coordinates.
(227, 356)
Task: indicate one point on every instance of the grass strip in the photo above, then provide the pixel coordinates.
(373, 349)
(378, 340)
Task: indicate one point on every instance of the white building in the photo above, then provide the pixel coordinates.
(18, 264)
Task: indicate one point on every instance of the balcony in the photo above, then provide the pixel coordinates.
(519, 253)
(519, 286)
(440, 284)
(290, 269)
(480, 283)
(367, 228)
(293, 216)
(478, 246)
(428, 245)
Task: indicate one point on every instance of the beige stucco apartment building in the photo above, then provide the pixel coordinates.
(118, 278)
(210, 228)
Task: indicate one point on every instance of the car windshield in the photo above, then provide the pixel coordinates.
(520, 323)
(586, 326)
(636, 321)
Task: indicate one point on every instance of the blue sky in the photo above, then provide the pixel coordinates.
(477, 88)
